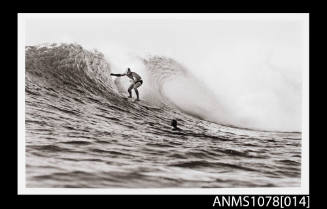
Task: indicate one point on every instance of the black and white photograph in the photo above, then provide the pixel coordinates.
(157, 103)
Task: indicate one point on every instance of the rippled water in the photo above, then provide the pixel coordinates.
(86, 142)
(89, 139)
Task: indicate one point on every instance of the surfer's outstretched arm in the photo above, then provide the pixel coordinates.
(116, 74)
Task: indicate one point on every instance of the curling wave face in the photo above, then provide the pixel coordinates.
(80, 132)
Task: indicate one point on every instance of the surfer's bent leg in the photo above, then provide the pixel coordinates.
(137, 94)
(136, 85)
(130, 90)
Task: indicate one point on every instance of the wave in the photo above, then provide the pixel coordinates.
(70, 68)
(71, 65)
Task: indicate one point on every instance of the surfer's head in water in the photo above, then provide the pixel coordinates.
(137, 82)
(174, 125)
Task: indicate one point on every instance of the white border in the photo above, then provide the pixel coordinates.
(304, 189)
(305, 108)
(172, 16)
(21, 106)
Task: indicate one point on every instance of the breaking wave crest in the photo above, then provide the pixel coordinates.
(70, 67)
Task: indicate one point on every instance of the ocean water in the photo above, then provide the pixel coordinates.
(81, 133)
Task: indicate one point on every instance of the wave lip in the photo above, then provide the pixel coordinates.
(68, 66)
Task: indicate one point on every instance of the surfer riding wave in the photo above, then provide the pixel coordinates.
(136, 82)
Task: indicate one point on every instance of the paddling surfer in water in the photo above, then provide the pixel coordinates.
(174, 125)
(136, 82)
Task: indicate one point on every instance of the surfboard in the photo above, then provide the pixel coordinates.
(142, 103)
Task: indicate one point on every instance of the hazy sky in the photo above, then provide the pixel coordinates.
(253, 62)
